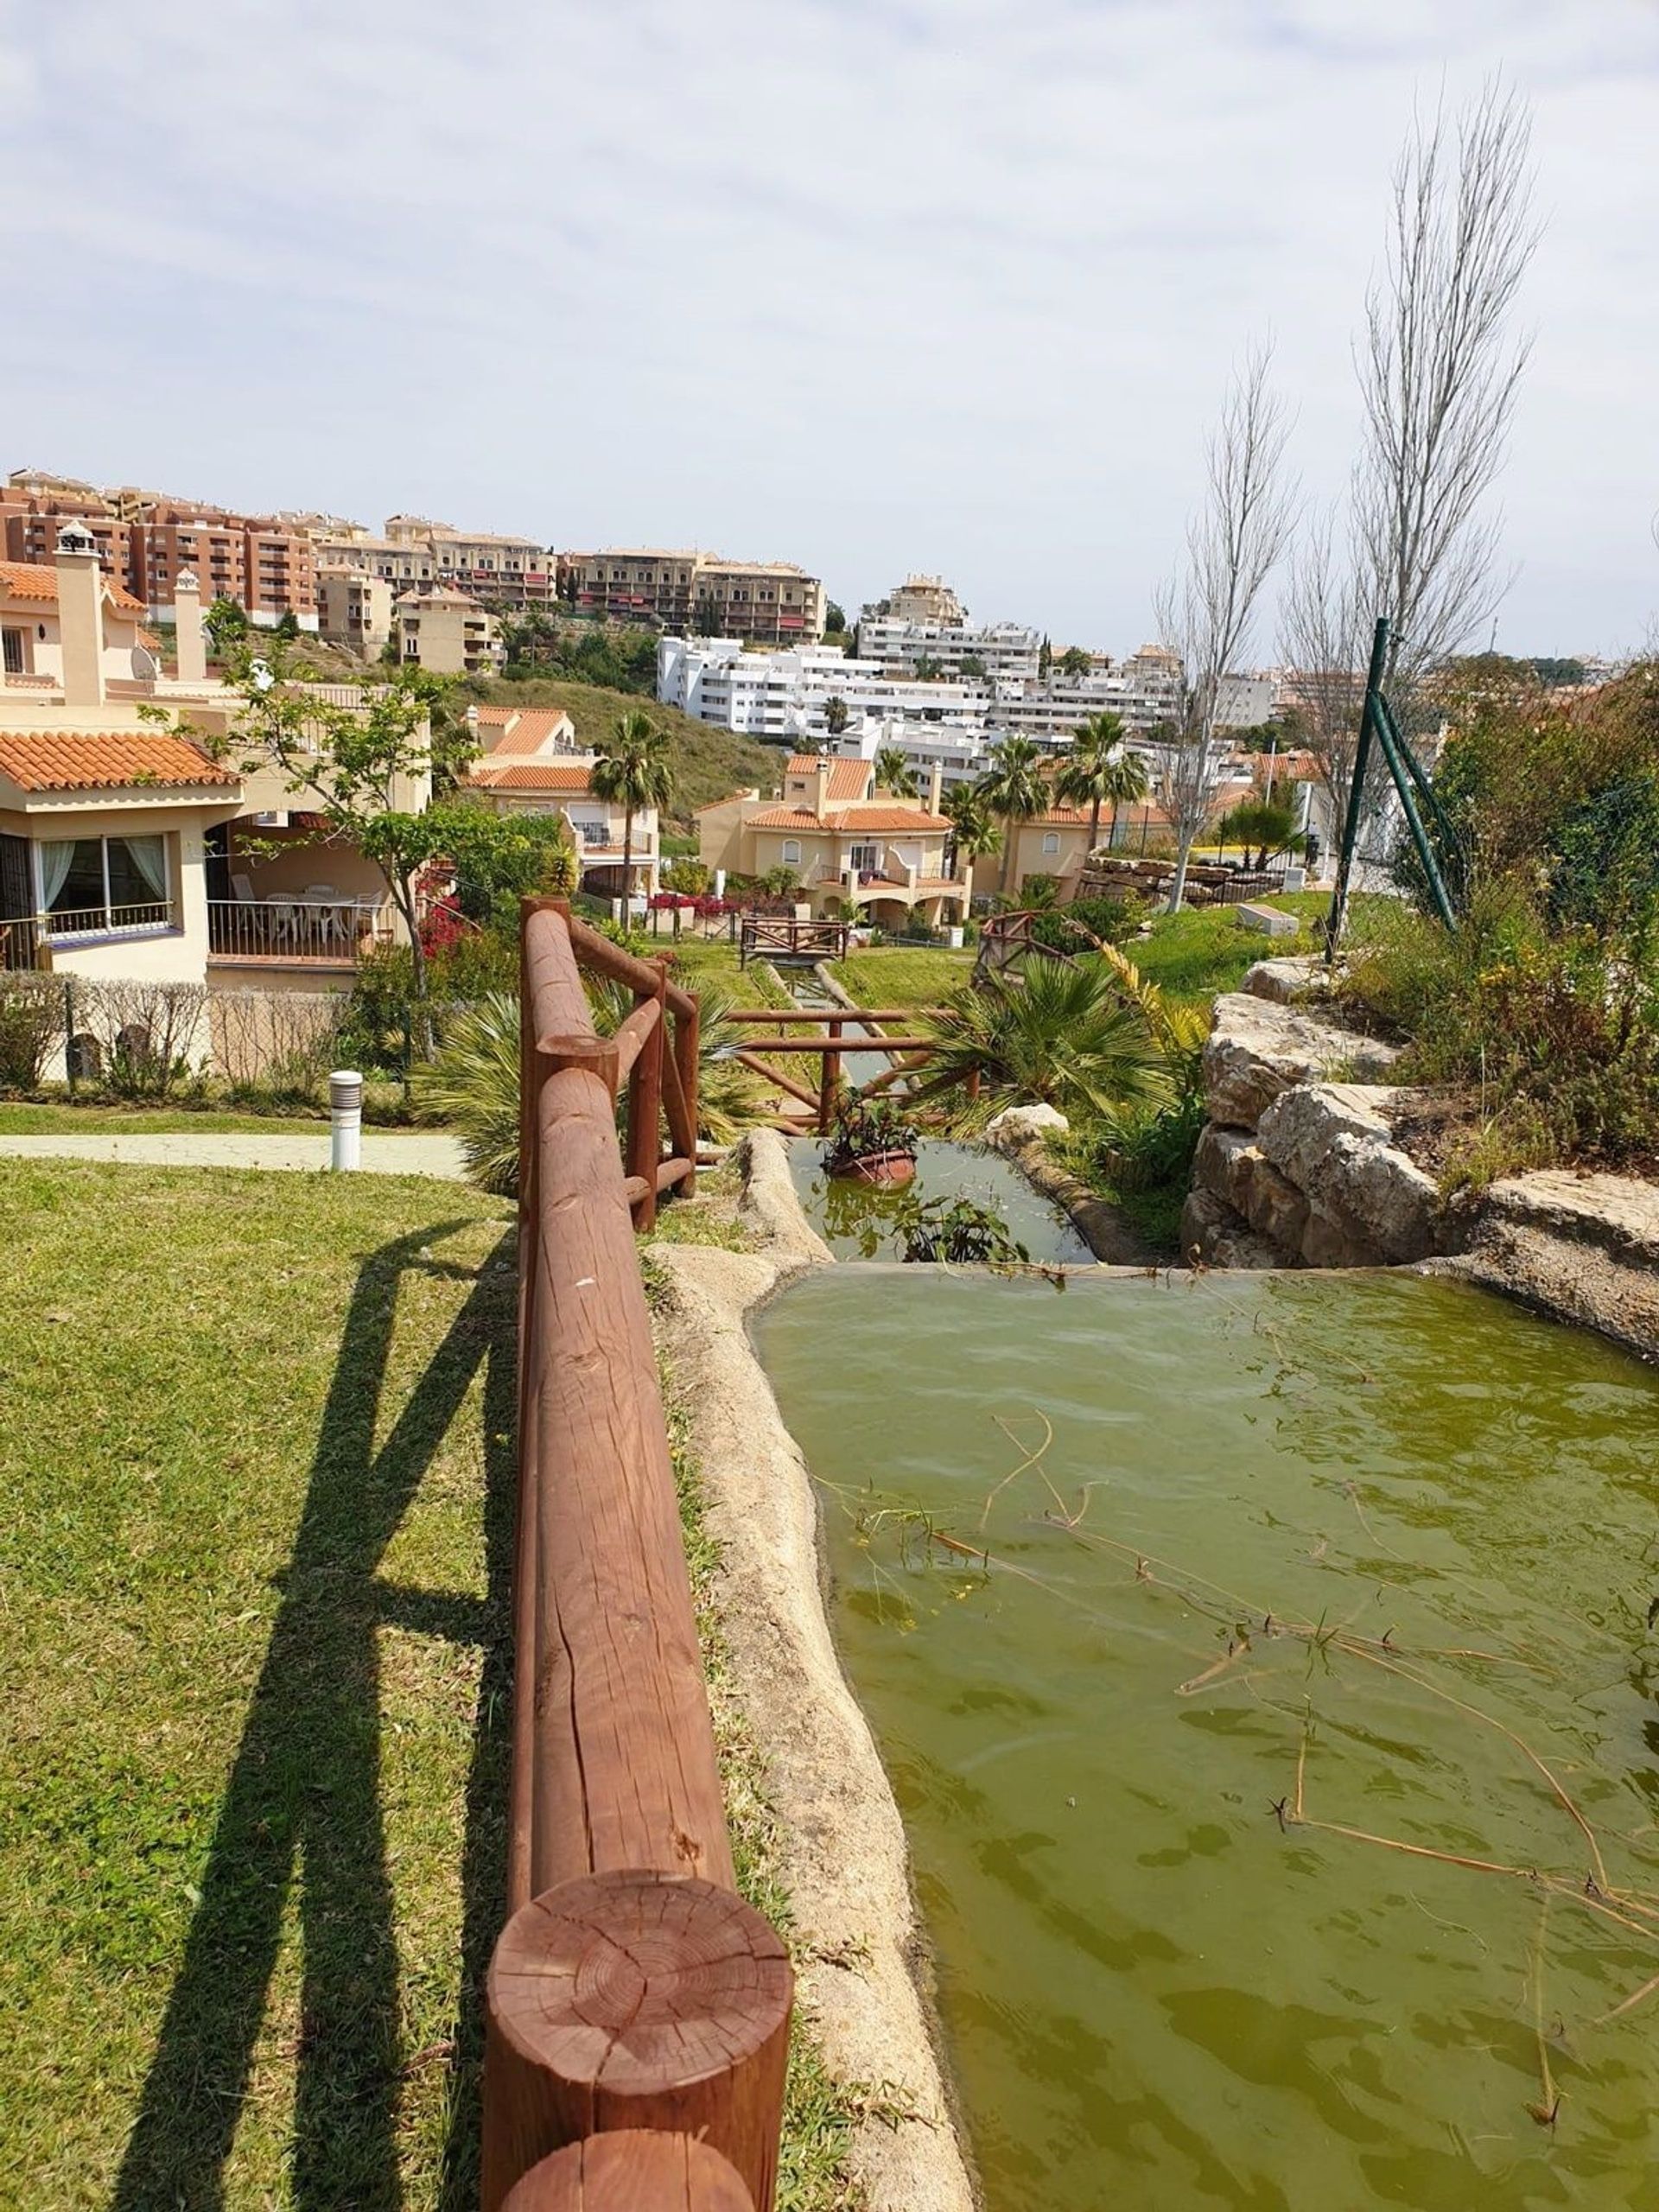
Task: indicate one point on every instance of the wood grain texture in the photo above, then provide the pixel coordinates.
(645, 1139)
(632, 2172)
(641, 2000)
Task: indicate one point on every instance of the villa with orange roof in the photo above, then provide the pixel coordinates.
(849, 845)
(529, 762)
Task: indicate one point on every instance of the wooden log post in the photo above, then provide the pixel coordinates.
(633, 2170)
(637, 2000)
(645, 1109)
(688, 1069)
(829, 1080)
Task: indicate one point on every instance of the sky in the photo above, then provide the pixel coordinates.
(874, 285)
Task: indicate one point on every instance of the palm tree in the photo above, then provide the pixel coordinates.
(631, 772)
(1015, 789)
(973, 829)
(834, 714)
(1086, 776)
(1129, 784)
(893, 774)
(1067, 1034)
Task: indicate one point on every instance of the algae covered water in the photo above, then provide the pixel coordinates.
(1264, 1668)
(855, 1219)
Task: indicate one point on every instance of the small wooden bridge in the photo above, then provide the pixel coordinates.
(784, 938)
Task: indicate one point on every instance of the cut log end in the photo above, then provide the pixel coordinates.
(641, 2000)
(633, 2170)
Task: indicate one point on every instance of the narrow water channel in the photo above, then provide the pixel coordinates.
(1373, 1550)
(855, 1219)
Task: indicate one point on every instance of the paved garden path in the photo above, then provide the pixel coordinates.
(417, 1153)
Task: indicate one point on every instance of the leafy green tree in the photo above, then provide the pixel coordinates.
(631, 772)
(1086, 777)
(972, 665)
(893, 773)
(834, 714)
(500, 858)
(287, 625)
(834, 619)
(1015, 789)
(928, 670)
(1075, 662)
(366, 771)
(227, 625)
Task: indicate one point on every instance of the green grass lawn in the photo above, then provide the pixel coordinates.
(20, 1118)
(256, 1467)
(1198, 954)
(900, 975)
(713, 961)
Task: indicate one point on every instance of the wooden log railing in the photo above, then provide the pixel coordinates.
(910, 1053)
(785, 937)
(637, 2009)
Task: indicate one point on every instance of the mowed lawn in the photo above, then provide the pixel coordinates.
(255, 1460)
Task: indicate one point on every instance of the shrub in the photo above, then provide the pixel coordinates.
(31, 1025)
(864, 1126)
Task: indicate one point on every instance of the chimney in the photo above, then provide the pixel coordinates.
(190, 654)
(820, 789)
(80, 616)
(935, 787)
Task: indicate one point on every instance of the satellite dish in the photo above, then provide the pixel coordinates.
(263, 678)
(145, 666)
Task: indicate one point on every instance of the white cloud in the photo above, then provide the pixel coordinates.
(951, 283)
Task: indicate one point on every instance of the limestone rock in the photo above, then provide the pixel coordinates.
(1230, 1165)
(1018, 1123)
(1258, 1048)
(1583, 1247)
(1220, 1237)
(1287, 981)
(1368, 1202)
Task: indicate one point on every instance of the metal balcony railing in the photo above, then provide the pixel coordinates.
(295, 929)
(25, 938)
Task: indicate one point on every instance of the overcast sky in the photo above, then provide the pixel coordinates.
(874, 285)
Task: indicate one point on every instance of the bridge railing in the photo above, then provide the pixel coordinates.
(638, 2010)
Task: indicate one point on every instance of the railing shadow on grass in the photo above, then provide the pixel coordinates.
(302, 1806)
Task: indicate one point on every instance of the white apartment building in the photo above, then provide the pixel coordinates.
(783, 696)
(1004, 651)
(959, 757)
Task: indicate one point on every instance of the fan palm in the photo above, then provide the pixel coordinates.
(474, 1084)
(631, 772)
(1065, 1036)
(1129, 784)
(973, 829)
(893, 773)
(1086, 773)
(1015, 789)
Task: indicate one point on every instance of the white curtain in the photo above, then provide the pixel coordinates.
(150, 858)
(57, 853)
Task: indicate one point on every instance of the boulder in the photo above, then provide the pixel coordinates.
(1018, 1124)
(1288, 980)
(1583, 1247)
(1258, 1048)
(1367, 1202)
(1218, 1237)
(1230, 1165)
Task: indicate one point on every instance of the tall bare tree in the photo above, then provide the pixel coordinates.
(1438, 365)
(1203, 614)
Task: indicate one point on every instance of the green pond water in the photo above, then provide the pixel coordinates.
(855, 1218)
(1387, 1530)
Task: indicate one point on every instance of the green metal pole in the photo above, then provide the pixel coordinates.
(1431, 867)
(1338, 913)
(1415, 767)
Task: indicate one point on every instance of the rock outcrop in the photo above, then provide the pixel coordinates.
(1298, 1160)
(1582, 1248)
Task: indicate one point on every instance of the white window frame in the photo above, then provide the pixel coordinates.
(791, 851)
(109, 927)
(1051, 843)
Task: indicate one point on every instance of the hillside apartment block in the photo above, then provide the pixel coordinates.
(765, 602)
(414, 554)
(146, 539)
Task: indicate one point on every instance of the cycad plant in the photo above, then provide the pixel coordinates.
(1063, 1034)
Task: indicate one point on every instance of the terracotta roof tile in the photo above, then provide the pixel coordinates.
(39, 580)
(87, 761)
(847, 778)
(535, 730)
(529, 776)
(872, 814)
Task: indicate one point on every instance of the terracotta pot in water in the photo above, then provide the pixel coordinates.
(890, 1167)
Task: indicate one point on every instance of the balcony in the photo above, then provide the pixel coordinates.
(332, 932)
(27, 940)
